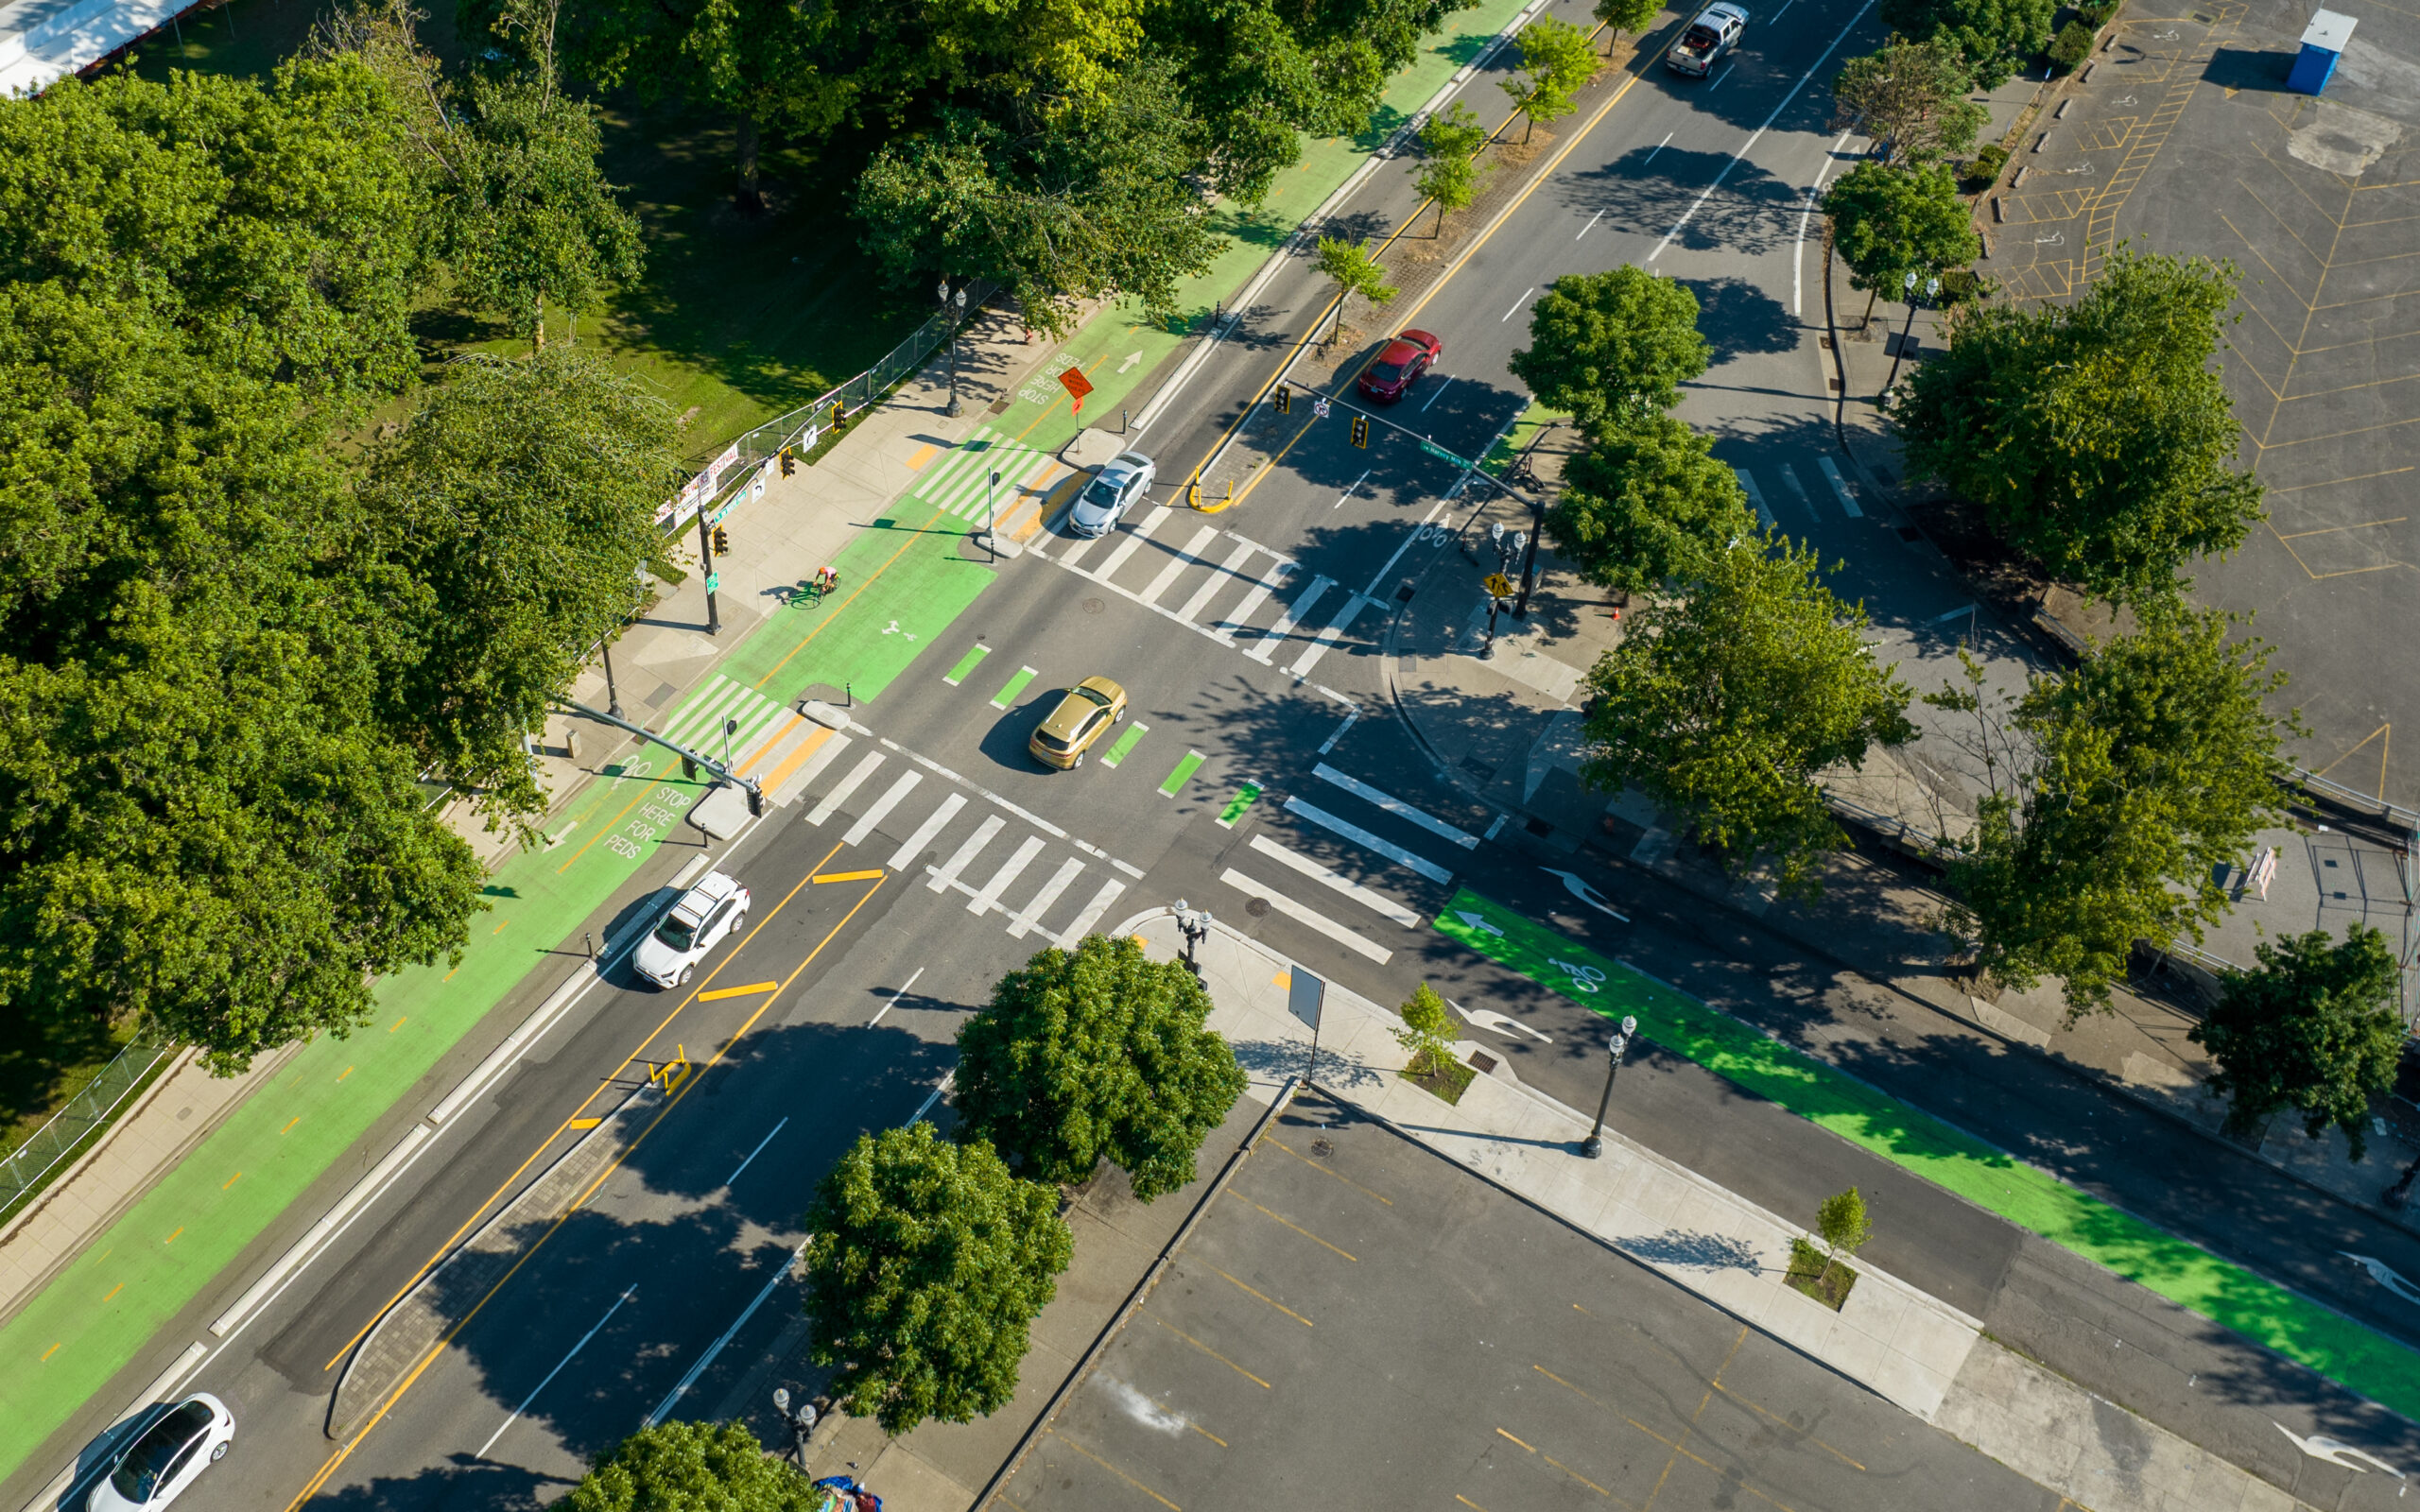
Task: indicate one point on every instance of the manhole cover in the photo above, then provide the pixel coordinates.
(1257, 907)
(1094, 606)
(1322, 1148)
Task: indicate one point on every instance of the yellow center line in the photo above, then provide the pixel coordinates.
(1213, 1354)
(1297, 1228)
(848, 876)
(439, 1348)
(1271, 1300)
(750, 991)
(576, 1121)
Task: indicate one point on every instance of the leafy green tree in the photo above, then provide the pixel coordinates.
(1996, 37)
(274, 226)
(1263, 75)
(1625, 15)
(1354, 271)
(2315, 1029)
(1611, 346)
(1451, 175)
(1645, 503)
(768, 65)
(692, 1466)
(528, 215)
(1098, 1054)
(927, 1264)
(506, 162)
(2154, 763)
(213, 829)
(1062, 209)
(1911, 97)
(1841, 1222)
(1428, 1032)
(1890, 222)
(1557, 59)
(2094, 434)
(515, 511)
(1724, 702)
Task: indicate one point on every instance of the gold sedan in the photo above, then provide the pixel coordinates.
(1085, 714)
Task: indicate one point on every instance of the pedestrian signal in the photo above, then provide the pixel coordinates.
(1362, 430)
(1284, 400)
(722, 541)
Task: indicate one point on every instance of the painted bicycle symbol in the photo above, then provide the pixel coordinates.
(1583, 978)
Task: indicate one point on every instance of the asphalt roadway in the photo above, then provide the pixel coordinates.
(606, 1314)
(1357, 1322)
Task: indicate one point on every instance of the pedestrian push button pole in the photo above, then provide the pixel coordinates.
(1614, 1049)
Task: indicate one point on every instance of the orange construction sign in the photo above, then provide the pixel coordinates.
(1074, 381)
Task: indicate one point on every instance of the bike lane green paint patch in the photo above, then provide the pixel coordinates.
(2336, 1346)
(1125, 744)
(966, 663)
(1246, 795)
(1015, 685)
(1183, 774)
(901, 588)
(69, 1339)
(1118, 351)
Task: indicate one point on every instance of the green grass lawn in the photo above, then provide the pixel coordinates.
(737, 320)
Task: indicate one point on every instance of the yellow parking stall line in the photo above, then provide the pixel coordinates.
(1214, 1354)
(1115, 1470)
(1266, 1298)
(748, 991)
(1297, 1228)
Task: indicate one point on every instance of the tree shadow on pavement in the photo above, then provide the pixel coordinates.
(465, 1484)
(1739, 319)
(1753, 214)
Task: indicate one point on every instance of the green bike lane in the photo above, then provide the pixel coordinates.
(2303, 1331)
(904, 579)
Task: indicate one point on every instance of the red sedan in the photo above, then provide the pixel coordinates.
(1400, 365)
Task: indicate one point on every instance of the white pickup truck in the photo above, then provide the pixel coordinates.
(1716, 31)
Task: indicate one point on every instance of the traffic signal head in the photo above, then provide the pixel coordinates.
(1284, 400)
(1362, 430)
(789, 461)
(722, 541)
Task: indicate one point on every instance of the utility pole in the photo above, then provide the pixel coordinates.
(612, 698)
(1932, 286)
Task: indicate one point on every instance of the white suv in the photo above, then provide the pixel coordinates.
(716, 907)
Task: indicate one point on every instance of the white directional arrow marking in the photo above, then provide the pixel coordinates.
(1131, 358)
(1583, 892)
(1478, 921)
(2319, 1445)
(1495, 1022)
(2385, 1276)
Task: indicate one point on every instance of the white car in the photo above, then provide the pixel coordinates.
(714, 908)
(165, 1458)
(1122, 480)
(1716, 31)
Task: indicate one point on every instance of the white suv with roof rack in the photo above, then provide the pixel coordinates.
(707, 913)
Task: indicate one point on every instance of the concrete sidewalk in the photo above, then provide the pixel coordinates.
(1913, 1349)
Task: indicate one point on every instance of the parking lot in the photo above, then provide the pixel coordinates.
(2185, 139)
(1358, 1323)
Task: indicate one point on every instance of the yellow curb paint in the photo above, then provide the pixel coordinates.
(849, 876)
(584, 1123)
(748, 991)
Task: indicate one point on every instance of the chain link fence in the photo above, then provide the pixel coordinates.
(46, 1152)
(806, 422)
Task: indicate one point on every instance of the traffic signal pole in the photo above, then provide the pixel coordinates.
(706, 565)
(722, 769)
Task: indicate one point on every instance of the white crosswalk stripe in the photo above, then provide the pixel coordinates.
(1396, 806)
(1301, 914)
(965, 820)
(1369, 897)
(1755, 497)
(1372, 842)
(1839, 486)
